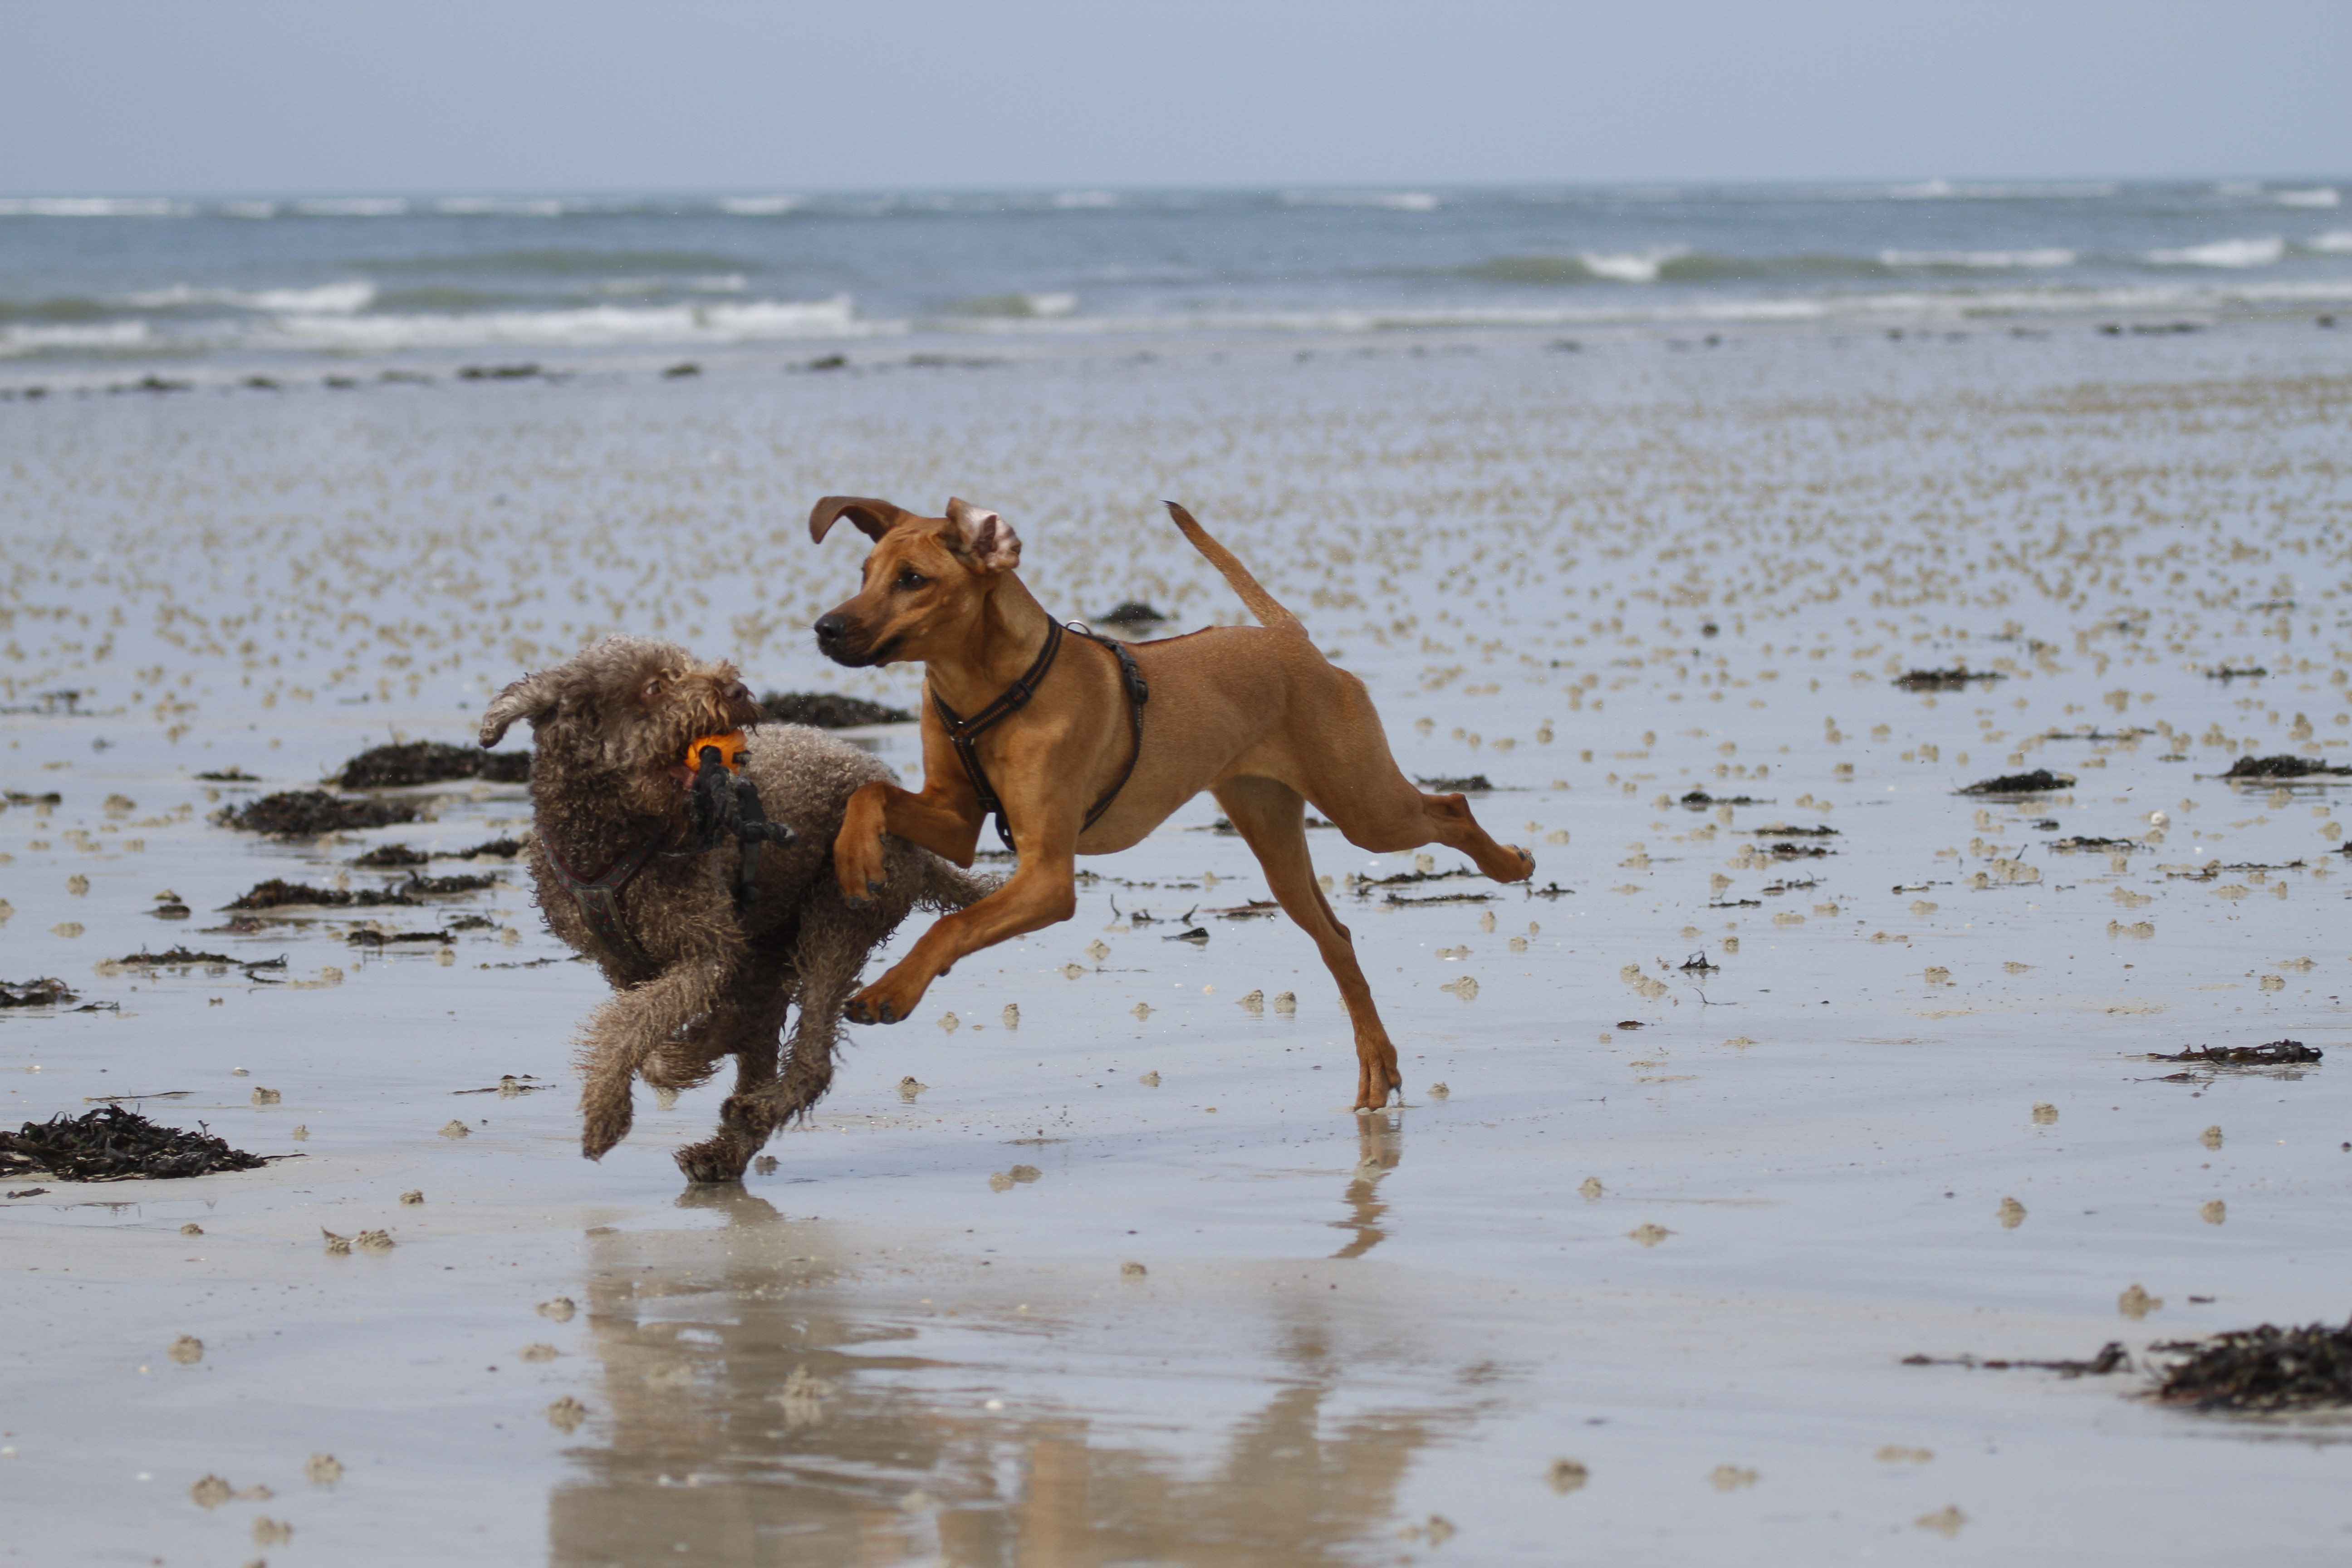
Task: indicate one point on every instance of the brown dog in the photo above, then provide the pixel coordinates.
(1253, 714)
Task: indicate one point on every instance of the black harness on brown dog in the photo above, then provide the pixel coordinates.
(1013, 699)
(720, 807)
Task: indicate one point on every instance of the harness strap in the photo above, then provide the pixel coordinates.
(599, 898)
(964, 731)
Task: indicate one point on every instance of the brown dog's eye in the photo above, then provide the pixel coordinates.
(909, 580)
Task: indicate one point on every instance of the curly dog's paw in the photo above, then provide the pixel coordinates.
(713, 1161)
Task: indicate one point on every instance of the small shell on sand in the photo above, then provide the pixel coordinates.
(909, 1087)
(323, 1469)
(538, 1352)
(1132, 1270)
(1589, 1188)
(192, 1228)
(1567, 1476)
(187, 1349)
(566, 1414)
(266, 1096)
(2011, 1214)
(1730, 1477)
(269, 1532)
(413, 1198)
(337, 1246)
(1439, 1091)
(211, 1492)
(1150, 1079)
(374, 1241)
(456, 1129)
(2137, 1303)
(1945, 1521)
(558, 1309)
(1649, 1234)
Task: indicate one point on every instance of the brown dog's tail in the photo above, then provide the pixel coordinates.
(1261, 603)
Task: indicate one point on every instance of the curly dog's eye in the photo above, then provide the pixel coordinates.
(652, 688)
(909, 580)
(738, 692)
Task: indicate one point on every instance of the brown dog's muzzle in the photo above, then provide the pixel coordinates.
(843, 640)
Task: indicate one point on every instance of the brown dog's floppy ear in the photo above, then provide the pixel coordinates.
(872, 518)
(533, 697)
(983, 538)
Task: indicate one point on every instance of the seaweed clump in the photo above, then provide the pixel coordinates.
(2284, 765)
(1467, 783)
(1132, 613)
(45, 991)
(2040, 781)
(306, 812)
(277, 893)
(431, 762)
(828, 711)
(111, 1144)
(1954, 679)
(2276, 1053)
(2264, 1368)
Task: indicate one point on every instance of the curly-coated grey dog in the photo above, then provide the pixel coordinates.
(700, 968)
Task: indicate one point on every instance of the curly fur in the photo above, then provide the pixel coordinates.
(611, 728)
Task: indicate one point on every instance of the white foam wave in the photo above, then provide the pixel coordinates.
(1393, 201)
(1986, 259)
(327, 298)
(18, 340)
(2263, 251)
(2335, 242)
(1082, 201)
(352, 206)
(757, 206)
(499, 206)
(589, 327)
(1948, 191)
(2317, 196)
(89, 206)
(1633, 266)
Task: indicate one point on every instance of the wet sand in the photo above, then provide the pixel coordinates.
(1904, 1110)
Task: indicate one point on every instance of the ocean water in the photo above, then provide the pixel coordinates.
(150, 278)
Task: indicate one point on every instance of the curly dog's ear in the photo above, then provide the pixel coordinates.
(533, 697)
(871, 518)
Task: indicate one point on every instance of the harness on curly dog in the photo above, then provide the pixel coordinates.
(1015, 696)
(719, 807)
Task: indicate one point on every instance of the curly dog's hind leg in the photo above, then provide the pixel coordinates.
(748, 1026)
(828, 959)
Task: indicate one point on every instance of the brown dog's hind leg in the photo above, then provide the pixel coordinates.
(1271, 817)
(1339, 761)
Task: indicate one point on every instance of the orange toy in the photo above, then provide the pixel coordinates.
(731, 747)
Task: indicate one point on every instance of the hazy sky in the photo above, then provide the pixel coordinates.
(353, 95)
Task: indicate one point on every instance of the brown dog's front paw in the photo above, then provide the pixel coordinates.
(889, 1000)
(859, 871)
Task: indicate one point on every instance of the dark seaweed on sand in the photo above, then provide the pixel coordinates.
(828, 711)
(1132, 613)
(111, 1144)
(306, 813)
(2035, 783)
(2284, 766)
(2277, 1053)
(229, 775)
(182, 958)
(1953, 680)
(45, 991)
(277, 893)
(2266, 1368)
(431, 762)
(398, 856)
(1467, 783)
(1699, 800)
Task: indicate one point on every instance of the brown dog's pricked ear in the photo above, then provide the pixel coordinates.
(532, 697)
(871, 518)
(983, 538)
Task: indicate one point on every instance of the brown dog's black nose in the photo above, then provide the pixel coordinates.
(830, 630)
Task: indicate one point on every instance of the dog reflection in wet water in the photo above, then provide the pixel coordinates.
(695, 866)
